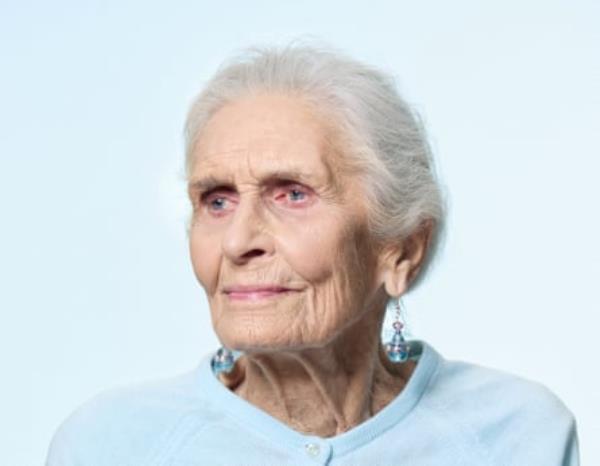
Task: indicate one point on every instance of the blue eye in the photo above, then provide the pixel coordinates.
(213, 201)
(297, 192)
(217, 202)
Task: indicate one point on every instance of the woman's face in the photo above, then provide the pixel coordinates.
(278, 237)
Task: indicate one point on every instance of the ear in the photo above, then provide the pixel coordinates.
(400, 263)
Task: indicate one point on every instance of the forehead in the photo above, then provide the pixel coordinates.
(266, 133)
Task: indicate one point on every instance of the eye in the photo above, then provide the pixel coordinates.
(293, 194)
(297, 194)
(215, 201)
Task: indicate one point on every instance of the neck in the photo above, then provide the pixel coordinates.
(323, 391)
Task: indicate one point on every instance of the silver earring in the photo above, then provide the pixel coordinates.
(397, 349)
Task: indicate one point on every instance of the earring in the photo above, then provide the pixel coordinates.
(397, 349)
(222, 361)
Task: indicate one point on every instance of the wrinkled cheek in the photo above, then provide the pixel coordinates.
(205, 263)
(349, 283)
(309, 252)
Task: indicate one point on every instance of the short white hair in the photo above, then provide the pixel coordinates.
(382, 137)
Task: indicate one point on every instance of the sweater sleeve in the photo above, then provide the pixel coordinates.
(511, 421)
(552, 433)
(80, 435)
(67, 441)
(129, 425)
(58, 452)
(538, 429)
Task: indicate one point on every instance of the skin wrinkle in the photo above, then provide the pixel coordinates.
(313, 358)
(271, 377)
(324, 390)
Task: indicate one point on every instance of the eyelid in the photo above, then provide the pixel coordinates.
(293, 186)
(290, 183)
(207, 192)
(275, 183)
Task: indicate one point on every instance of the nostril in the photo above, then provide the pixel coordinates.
(253, 253)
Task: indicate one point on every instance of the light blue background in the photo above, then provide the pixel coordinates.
(97, 288)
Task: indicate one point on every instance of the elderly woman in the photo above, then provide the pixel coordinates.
(315, 209)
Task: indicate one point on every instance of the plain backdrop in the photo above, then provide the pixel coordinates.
(96, 286)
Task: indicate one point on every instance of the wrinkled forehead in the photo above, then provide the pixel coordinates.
(286, 159)
(260, 135)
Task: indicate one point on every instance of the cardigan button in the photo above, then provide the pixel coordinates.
(312, 449)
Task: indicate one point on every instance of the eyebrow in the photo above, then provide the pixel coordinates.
(206, 183)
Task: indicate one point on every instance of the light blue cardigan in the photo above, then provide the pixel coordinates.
(450, 413)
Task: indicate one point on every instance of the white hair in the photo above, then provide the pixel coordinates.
(382, 138)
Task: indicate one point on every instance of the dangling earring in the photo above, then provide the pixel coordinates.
(397, 349)
(222, 361)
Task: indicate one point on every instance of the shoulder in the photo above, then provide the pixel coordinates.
(502, 393)
(129, 424)
(511, 419)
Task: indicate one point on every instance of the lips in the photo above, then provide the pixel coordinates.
(252, 288)
(255, 292)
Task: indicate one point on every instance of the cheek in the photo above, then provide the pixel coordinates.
(205, 259)
(331, 255)
(310, 250)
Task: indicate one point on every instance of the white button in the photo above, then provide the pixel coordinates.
(312, 449)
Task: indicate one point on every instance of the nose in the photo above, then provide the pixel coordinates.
(246, 236)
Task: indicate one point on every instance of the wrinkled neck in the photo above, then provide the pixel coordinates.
(323, 391)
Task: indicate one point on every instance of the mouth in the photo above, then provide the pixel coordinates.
(246, 293)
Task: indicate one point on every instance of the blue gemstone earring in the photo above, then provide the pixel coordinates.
(222, 361)
(397, 349)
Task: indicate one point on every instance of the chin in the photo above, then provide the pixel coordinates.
(257, 338)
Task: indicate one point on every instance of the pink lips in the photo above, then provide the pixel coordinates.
(250, 292)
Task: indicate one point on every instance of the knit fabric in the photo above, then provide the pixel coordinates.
(449, 413)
